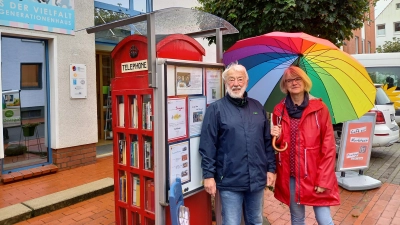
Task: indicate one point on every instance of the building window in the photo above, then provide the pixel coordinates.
(356, 40)
(397, 5)
(369, 47)
(380, 29)
(397, 27)
(362, 46)
(31, 76)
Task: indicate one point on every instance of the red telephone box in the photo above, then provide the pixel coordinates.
(133, 128)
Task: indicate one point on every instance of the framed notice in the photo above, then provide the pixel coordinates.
(356, 143)
(179, 161)
(78, 82)
(197, 110)
(189, 81)
(213, 84)
(177, 118)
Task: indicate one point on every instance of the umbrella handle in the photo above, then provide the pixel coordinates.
(276, 148)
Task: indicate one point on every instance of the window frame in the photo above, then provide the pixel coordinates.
(377, 29)
(357, 40)
(397, 6)
(394, 27)
(40, 74)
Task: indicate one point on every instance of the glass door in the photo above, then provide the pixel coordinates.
(24, 102)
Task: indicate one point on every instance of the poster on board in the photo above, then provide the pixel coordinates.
(179, 163)
(213, 84)
(11, 108)
(177, 118)
(356, 143)
(189, 81)
(197, 110)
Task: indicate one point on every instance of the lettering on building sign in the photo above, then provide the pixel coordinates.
(134, 66)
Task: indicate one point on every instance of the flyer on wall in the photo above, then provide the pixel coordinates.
(189, 81)
(197, 110)
(176, 118)
(179, 166)
(213, 85)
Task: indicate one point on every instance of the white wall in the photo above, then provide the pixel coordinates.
(73, 121)
(210, 50)
(388, 16)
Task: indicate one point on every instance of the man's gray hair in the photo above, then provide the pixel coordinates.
(236, 67)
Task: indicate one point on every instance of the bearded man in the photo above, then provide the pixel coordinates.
(237, 156)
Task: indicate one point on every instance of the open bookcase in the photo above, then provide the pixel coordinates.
(134, 157)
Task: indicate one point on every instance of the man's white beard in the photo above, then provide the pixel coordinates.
(236, 95)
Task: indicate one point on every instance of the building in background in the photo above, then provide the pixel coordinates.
(387, 23)
(363, 41)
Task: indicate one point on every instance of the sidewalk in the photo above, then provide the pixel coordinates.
(378, 206)
(40, 186)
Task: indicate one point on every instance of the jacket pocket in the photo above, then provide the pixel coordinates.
(311, 160)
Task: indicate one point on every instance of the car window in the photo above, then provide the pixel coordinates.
(381, 97)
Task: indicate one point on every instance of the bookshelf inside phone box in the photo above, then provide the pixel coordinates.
(133, 128)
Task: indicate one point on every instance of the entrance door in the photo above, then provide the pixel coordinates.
(24, 100)
(104, 73)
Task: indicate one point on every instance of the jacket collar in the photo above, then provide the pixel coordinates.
(314, 105)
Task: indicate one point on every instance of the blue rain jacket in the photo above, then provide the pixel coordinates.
(235, 145)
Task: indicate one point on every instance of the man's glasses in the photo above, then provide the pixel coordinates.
(290, 81)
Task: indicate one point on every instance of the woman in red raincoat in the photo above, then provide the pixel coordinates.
(305, 170)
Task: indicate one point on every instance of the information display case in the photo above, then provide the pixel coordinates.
(143, 142)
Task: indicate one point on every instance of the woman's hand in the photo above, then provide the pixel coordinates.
(319, 189)
(276, 131)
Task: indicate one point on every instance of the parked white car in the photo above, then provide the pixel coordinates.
(386, 129)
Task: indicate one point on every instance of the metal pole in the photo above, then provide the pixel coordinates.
(151, 49)
(217, 200)
(218, 36)
(159, 147)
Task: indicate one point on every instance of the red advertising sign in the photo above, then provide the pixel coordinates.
(356, 143)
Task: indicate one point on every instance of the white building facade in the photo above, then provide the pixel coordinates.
(388, 23)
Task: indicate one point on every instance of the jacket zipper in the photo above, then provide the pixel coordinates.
(305, 164)
(298, 177)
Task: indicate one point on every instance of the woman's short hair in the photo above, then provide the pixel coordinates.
(236, 67)
(295, 71)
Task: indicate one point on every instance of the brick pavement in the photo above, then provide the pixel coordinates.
(24, 190)
(377, 206)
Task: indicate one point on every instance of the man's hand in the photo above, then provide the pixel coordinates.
(210, 186)
(271, 179)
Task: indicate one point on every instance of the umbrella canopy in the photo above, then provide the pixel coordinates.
(340, 80)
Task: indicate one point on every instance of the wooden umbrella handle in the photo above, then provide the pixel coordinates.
(276, 148)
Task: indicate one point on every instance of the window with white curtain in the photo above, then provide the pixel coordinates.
(380, 29)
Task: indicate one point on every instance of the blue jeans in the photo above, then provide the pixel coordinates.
(232, 202)
(297, 211)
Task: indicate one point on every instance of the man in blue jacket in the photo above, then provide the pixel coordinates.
(237, 156)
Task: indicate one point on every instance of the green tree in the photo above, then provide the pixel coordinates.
(390, 46)
(330, 19)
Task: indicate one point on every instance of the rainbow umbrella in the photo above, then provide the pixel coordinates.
(339, 79)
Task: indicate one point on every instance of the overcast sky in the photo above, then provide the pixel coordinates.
(139, 5)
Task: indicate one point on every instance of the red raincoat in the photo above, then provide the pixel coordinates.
(315, 156)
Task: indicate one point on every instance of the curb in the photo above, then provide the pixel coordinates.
(45, 204)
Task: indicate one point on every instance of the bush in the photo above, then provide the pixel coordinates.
(15, 149)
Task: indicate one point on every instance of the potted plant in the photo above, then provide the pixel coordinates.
(28, 129)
